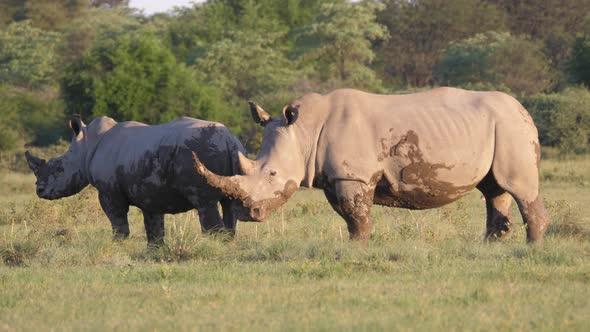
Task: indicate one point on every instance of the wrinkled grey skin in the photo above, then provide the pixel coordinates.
(414, 151)
(149, 167)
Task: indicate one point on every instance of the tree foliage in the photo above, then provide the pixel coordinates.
(339, 42)
(247, 64)
(420, 30)
(563, 119)
(97, 57)
(134, 77)
(542, 18)
(79, 34)
(497, 59)
(33, 116)
(579, 66)
(27, 55)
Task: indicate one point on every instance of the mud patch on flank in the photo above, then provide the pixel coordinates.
(387, 145)
(427, 190)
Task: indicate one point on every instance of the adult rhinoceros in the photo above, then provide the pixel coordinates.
(150, 167)
(415, 151)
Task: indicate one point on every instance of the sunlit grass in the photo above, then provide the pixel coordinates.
(60, 269)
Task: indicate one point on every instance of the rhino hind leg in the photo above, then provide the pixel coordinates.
(154, 228)
(353, 201)
(498, 201)
(535, 218)
(523, 184)
(517, 155)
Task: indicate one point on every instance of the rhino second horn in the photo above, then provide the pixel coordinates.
(247, 166)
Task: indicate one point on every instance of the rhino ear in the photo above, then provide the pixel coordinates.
(76, 124)
(258, 114)
(290, 114)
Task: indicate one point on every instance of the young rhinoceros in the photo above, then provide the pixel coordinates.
(149, 167)
(415, 151)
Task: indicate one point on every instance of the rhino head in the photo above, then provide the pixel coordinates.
(268, 181)
(63, 176)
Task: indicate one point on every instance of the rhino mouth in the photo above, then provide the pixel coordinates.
(259, 210)
(48, 194)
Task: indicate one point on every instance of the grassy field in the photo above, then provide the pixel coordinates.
(422, 270)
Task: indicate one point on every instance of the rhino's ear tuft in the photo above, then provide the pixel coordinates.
(290, 114)
(258, 114)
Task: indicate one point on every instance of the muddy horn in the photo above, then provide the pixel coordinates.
(232, 187)
(229, 186)
(34, 162)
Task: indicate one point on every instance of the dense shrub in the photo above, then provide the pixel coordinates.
(579, 65)
(134, 77)
(563, 119)
(496, 59)
(34, 117)
(8, 137)
(27, 55)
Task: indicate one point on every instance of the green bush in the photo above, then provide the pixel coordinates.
(27, 55)
(31, 116)
(496, 59)
(8, 138)
(134, 77)
(579, 65)
(563, 119)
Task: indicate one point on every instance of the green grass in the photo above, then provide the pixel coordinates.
(422, 270)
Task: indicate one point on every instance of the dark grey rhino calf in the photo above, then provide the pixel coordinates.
(415, 151)
(150, 167)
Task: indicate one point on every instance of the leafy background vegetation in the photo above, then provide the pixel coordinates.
(100, 57)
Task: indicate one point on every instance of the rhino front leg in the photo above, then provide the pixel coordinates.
(353, 201)
(154, 228)
(230, 219)
(116, 209)
(210, 219)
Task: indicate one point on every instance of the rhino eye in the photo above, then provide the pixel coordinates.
(273, 173)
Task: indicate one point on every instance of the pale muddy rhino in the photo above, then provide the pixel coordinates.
(415, 151)
(150, 167)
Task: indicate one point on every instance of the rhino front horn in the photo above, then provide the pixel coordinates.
(34, 162)
(228, 186)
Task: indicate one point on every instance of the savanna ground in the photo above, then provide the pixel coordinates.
(422, 270)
